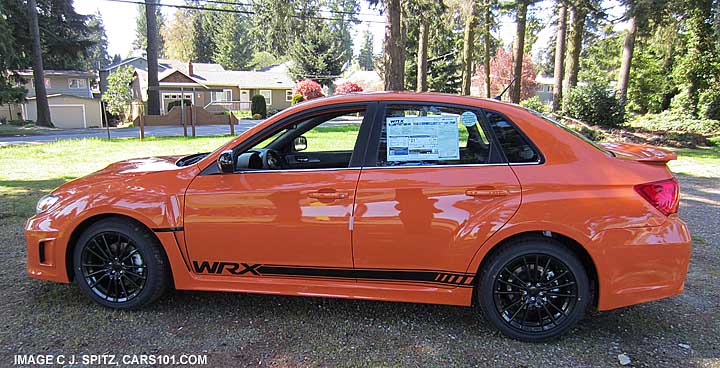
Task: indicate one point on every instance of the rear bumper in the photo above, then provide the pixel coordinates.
(638, 265)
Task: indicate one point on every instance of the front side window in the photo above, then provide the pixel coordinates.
(420, 135)
(516, 147)
(288, 95)
(320, 141)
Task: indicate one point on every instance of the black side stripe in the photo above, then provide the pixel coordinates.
(412, 276)
(167, 229)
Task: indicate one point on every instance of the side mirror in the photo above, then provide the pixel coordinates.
(300, 144)
(226, 163)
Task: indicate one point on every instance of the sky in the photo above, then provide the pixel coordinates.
(119, 19)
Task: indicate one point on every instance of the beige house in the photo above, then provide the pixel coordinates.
(70, 97)
(209, 85)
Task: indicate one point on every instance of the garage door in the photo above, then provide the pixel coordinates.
(68, 116)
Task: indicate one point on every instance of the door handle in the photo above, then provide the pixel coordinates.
(301, 159)
(328, 195)
(487, 192)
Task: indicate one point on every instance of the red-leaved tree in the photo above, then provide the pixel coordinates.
(501, 73)
(309, 89)
(347, 87)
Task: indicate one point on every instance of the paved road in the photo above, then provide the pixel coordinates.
(158, 131)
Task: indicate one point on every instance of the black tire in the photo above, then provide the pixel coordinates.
(528, 298)
(120, 264)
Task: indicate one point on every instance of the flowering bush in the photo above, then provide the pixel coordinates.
(347, 87)
(308, 88)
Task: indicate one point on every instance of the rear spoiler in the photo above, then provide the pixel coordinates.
(639, 152)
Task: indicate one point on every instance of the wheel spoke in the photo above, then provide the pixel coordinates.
(527, 269)
(507, 292)
(522, 307)
(129, 255)
(557, 277)
(105, 256)
(558, 309)
(559, 286)
(135, 274)
(511, 305)
(97, 281)
(511, 284)
(547, 265)
(93, 265)
(552, 316)
(563, 295)
(122, 286)
(131, 280)
(95, 273)
(107, 246)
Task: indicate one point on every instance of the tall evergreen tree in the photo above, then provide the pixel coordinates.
(318, 56)
(365, 58)
(343, 18)
(97, 56)
(204, 24)
(140, 42)
(234, 46)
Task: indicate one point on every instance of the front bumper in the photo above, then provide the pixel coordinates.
(638, 265)
(46, 258)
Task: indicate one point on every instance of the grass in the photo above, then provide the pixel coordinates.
(702, 161)
(12, 130)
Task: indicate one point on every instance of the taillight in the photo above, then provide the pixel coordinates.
(663, 195)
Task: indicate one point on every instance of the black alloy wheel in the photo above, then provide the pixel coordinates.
(534, 289)
(120, 264)
(113, 267)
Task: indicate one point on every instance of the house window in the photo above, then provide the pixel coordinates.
(268, 96)
(225, 95)
(75, 83)
(288, 95)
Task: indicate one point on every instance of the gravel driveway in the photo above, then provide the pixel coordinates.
(241, 329)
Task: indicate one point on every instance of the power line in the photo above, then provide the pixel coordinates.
(237, 11)
(227, 2)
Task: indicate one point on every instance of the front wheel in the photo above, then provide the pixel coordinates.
(534, 289)
(119, 264)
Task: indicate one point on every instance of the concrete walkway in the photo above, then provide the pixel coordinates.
(157, 131)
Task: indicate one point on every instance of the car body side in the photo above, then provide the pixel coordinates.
(578, 194)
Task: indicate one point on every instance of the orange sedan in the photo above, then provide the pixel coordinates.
(425, 198)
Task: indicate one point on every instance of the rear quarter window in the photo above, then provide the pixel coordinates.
(516, 147)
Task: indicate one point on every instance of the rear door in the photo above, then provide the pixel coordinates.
(434, 187)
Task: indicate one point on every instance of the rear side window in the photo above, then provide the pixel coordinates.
(516, 147)
(419, 135)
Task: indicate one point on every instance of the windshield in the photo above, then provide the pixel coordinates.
(571, 131)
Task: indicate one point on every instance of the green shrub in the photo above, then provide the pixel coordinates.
(676, 121)
(296, 99)
(710, 104)
(534, 103)
(595, 104)
(185, 102)
(258, 106)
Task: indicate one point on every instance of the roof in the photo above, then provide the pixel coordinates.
(245, 79)
(60, 73)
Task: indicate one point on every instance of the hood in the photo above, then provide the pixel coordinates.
(640, 152)
(142, 165)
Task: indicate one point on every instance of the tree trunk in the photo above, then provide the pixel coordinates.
(559, 57)
(153, 92)
(521, 19)
(468, 45)
(422, 65)
(41, 100)
(486, 52)
(574, 47)
(394, 57)
(628, 48)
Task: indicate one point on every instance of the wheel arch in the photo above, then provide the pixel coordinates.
(85, 224)
(575, 246)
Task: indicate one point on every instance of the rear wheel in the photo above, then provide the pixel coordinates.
(119, 264)
(534, 289)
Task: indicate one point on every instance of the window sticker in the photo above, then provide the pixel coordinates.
(422, 138)
(468, 119)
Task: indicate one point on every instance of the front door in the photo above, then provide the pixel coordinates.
(244, 99)
(434, 190)
(286, 210)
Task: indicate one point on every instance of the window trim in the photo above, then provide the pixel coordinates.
(357, 158)
(520, 131)
(288, 95)
(70, 80)
(495, 158)
(268, 101)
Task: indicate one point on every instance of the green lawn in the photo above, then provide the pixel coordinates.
(702, 161)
